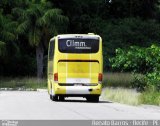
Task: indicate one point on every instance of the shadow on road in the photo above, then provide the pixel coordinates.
(84, 101)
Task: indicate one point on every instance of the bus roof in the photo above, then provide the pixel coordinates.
(65, 36)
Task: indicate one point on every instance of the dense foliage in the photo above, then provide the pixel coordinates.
(140, 60)
(27, 25)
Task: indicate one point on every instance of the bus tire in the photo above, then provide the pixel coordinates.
(54, 98)
(51, 97)
(92, 98)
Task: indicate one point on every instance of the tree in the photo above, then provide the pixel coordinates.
(133, 8)
(140, 60)
(7, 32)
(40, 22)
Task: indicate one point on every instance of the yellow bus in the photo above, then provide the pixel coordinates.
(75, 66)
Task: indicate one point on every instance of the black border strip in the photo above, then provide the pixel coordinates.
(78, 61)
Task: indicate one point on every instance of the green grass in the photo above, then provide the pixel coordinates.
(150, 97)
(117, 88)
(131, 96)
(23, 83)
(117, 79)
(122, 95)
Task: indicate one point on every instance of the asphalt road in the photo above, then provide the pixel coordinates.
(37, 105)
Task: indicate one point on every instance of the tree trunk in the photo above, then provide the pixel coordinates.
(39, 57)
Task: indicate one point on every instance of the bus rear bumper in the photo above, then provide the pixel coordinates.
(78, 90)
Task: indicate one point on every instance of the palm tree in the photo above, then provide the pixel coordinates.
(7, 32)
(40, 22)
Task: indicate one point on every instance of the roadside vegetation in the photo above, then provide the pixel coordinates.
(144, 63)
(120, 87)
(150, 97)
(122, 95)
(27, 83)
(131, 96)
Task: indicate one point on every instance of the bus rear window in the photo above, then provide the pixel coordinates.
(76, 45)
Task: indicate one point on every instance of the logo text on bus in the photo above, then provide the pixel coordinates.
(70, 43)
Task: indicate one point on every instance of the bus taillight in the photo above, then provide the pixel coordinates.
(56, 77)
(100, 77)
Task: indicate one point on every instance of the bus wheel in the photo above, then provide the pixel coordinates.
(51, 97)
(61, 98)
(92, 98)
(54, 98)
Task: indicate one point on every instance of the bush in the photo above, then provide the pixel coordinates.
(140, 60)
(139, 82)
(153, 79)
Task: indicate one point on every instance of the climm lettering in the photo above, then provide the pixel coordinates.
(70, 43)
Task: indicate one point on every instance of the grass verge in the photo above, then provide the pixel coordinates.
(117, 88)
(22, 83)
(131, 96)
(150, 97)
(122, 95)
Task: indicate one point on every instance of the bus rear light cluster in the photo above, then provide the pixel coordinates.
(100, 77)
(56, 77)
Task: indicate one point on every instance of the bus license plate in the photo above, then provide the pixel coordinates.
(77, 84)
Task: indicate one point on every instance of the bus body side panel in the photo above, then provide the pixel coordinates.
(57, 89)
(50, 75)
(49, 70)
